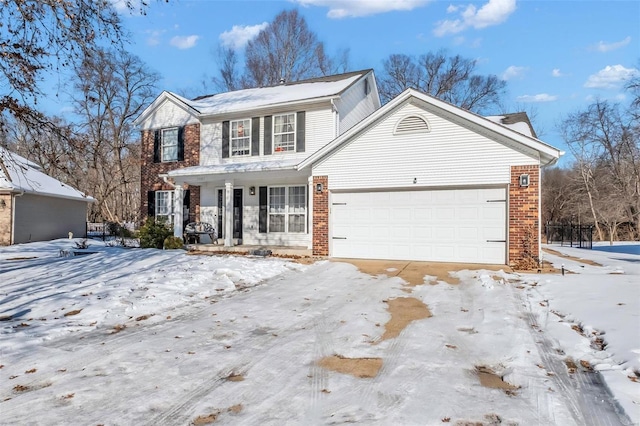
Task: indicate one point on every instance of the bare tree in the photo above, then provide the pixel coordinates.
(450, 78)
(37, 36)
(111, 88)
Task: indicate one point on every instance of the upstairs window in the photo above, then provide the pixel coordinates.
(170, 144)
(240, 138)
(284, 132)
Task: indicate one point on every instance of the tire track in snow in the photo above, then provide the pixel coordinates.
(586, 394)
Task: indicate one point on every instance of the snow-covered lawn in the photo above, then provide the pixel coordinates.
(131, 336)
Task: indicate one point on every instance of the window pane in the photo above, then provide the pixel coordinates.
(296, 223)
(276, 223)
(277, 202)
(297, 199)
(170, 144)
(284, 136)
(240, 137)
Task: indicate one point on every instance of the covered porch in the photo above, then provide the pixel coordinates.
(257, 204)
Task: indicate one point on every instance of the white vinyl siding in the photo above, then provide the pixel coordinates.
(168, 115)
(447, 225)
(448, 155)
(353, 105)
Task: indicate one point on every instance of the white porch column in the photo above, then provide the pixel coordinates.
(178, 195)
(310, 193)
(228, 217)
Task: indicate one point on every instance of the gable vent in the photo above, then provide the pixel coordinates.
(412, 124)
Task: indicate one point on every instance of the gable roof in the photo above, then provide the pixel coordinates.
(548, 154)
(518, 121)
(19, 175)
(251, 99)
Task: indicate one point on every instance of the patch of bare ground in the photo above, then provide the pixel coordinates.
(118, 328)
(566, 256)
(365, 368)
(71, 313)
(489, 420)
(403, 311)
(23, 258)
(235, 377)
(414, 272)
(208, 419)
(144, 317)
(490, 379)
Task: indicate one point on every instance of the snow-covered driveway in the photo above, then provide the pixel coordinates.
(165, 338)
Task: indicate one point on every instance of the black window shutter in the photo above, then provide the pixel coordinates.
(156, 146)
(255, 136)
(300, 125)
(225, 139)
(267, 135)
(181, 143)
(186, 200)
(262, 219)
(151, 203)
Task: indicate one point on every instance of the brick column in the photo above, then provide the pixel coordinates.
(524, 218)
(321, 217)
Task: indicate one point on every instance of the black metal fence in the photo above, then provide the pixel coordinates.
(569, 234)
(108, 230)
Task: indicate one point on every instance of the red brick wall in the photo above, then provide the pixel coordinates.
(321, 217)
(524, 218)
(149, 171)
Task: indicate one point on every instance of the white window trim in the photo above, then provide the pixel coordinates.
(169, 214)
(162, 144)
(295, 132)
(287, 211)
(231, 138)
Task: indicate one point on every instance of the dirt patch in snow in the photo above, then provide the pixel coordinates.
(414, 272)
(403, 311)
(489, 379)
(208, 419)
(566, 256)
(359, 367)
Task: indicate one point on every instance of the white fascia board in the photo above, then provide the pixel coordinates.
(164, 96)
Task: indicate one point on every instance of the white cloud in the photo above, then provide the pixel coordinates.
(154, 37)
(601, 46)
(492, 13)
(184, 42)
(239, 35)
(610, 77)
(541, 97)
(339, 9)
(452, 8)
(513, 72)
(556, 73)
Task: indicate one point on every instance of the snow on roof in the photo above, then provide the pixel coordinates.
(518, 122)
(17, 174)
(255, 166)
(248, 99)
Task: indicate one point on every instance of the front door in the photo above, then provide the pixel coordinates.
(237, 213)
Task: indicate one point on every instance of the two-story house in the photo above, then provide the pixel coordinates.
(231, 159)
(320, 164)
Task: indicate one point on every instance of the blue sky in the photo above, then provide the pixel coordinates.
(557, 56)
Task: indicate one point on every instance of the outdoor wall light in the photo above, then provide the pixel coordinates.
(524, 180)
(252, 190)
(318, 188)
(3, 204)
(415, 180)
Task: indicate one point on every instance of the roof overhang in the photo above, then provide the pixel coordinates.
(548, 154)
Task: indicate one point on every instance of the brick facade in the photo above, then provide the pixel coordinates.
(321, 217)
(5, 219)
(149, 170)
(524, 218)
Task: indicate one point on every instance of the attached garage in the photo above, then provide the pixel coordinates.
(452, 225)
(421, 179)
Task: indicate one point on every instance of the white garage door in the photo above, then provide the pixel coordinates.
(453, 225)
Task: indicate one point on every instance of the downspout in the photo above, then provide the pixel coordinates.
(13, 217)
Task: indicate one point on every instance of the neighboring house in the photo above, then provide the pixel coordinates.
(35, 206)
(318, 164)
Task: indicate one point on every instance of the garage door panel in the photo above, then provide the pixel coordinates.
(441, 225)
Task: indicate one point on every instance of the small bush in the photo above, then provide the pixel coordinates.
(173, 243)
(117, 230)
(153, 234)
